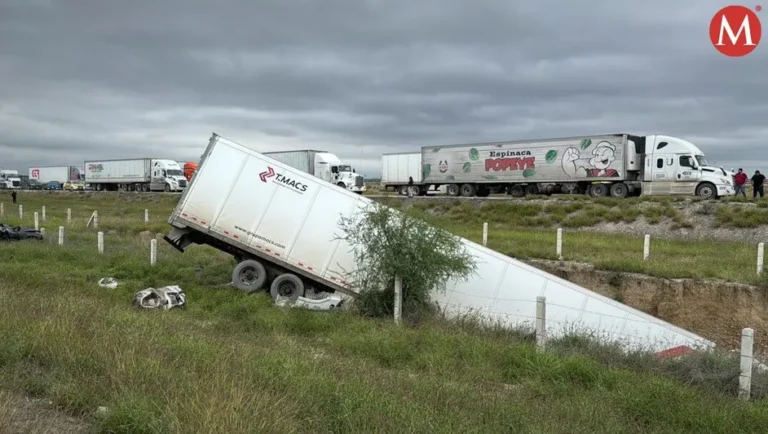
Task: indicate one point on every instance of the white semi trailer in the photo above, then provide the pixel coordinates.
(617, 165)
(139, 174)
(282, 226)
(61, 174)
(324, 165)
(397, 168)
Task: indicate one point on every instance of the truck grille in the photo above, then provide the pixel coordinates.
(359, 181)
(182, 183)
(16, 183)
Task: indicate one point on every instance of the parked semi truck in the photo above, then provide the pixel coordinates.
(140, 174)
(60, 174)
(397, 168)
(287, 240)
(10, 179)
(617, 165)
(323, 165)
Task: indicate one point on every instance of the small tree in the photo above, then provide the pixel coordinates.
(387, 244)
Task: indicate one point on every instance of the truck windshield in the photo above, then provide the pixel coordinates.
(174, 173)
(702, 160)
(345, 169)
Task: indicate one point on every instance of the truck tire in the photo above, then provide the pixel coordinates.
(403, 190)
(468, 190)
(598, 190)
(417, 190)
(532, 190)
(287, 285)
(517, 191)
(249, 276)
(706, 190)
(167, 188)
(452, 190)
(619, 190)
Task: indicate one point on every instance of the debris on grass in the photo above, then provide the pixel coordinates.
(8, 233)
(165, 298)
(108, 282)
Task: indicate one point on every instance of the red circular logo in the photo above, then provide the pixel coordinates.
(735, 31)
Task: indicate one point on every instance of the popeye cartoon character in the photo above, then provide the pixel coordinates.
(598, 165)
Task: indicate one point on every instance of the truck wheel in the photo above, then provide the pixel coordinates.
(619, 190)
(287, 285)
(468, 190)
(342, 185)
(517, 191)
(706, 191)
(598, 190)
(249, 276)
(403, 190)
(532, 189)
(452, 190)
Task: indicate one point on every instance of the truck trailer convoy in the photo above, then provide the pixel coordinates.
(10, 179)
(60, 174)
(286, 240)
(323, 165)
(617, 165)
(140, 174)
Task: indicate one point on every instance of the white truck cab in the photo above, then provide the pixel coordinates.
(10, 179)
(167, 175)
(329, 167)
(674, 166)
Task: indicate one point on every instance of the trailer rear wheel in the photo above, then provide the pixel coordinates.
(452, 190)
(287, 285)
(598, 190)
(619, 190)
(249, 276)
(468, 190)
(517, 191)
(403, 190)
(532, 189)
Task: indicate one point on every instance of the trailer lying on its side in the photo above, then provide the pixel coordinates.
(287, 239)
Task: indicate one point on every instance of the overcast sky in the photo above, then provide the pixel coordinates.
(89, 79)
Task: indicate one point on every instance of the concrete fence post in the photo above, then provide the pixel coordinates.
(100, 242)
(745, 375)
(153, 252)
(21, 211)
(95, 219)
(398, 299)
(42, 232)
(43, 212)
(61, 235)
(760, 256)
(2, 210)
(37, 222)
(560, 244)
(69, 215)
(646, 247)
(541, 321)
(485, 233)
(146, 216)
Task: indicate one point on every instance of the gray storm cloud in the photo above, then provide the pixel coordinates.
(107, 79)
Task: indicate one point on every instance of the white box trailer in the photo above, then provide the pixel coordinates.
(61, 174)
(288, 234)
(617, 165)
(137, 174)
(396, 168)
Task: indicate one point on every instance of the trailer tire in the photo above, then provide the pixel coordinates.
(467, 190)
(249, 276)
(403, 190)
(452, 190)
(417, 190)
(517, 190)
(532, 190)
(287, 285)
(706, 190)
(620, 190)
(598, 190)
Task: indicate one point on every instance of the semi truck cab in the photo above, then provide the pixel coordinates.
(329, 167)
(674, 166)
(11, 179)
(167, 175)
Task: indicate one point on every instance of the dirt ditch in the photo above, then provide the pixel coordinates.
(715, 310)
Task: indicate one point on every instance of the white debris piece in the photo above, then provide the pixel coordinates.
(315, 301)
(167, 297)
(108, 282)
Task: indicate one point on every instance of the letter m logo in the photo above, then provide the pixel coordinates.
(735, 31)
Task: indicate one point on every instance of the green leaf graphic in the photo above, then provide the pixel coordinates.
(466, 167)
(427, 170)
(586, 143)
(474, 155)
(551, 156)
(527, 173)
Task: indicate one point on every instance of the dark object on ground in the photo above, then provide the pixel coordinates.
(17, 233)
(167, 297)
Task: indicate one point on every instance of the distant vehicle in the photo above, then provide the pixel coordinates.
(616, 165)
(10, 179)
(74, 185)
(61, 174)
(53, 185)
(323, 165)
(32, 184)
(140, 174)
(189, 169)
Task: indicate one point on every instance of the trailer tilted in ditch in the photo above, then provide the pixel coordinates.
(282, 226)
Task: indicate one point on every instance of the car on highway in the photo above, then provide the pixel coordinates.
(53, 185)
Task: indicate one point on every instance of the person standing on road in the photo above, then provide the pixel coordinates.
(13, 196)
(757, 184)
(410, 186)
(739, 181)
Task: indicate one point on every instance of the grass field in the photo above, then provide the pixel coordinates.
(234, 363)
